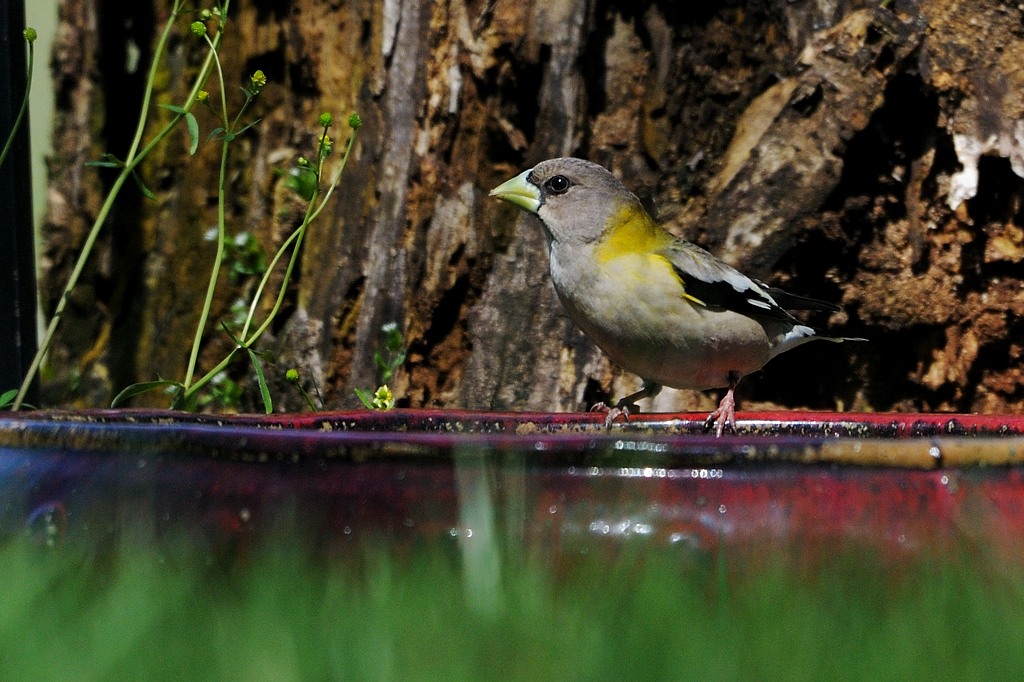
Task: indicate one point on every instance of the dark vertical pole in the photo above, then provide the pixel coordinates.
(17, 257)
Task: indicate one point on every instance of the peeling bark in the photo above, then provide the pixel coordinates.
(787, 153)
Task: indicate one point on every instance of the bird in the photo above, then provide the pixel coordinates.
(656, 305)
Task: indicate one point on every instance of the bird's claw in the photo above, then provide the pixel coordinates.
(724, 416)
(719, 424)
(613, 413)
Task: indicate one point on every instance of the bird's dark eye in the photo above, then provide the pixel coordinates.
(558, 184)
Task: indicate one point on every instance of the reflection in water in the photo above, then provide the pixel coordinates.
(481, 558)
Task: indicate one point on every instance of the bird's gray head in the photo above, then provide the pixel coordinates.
(575, 199)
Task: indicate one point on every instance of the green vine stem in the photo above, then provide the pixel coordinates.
(228, 136)
(312, 212)
(294, 242)
(30, 38)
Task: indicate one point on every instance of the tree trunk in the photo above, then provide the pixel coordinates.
(846, 151)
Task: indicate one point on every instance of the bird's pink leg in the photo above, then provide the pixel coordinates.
(726, 412)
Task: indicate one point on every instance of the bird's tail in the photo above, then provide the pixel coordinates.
(801, 334)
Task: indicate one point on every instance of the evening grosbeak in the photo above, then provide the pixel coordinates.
(659, 306)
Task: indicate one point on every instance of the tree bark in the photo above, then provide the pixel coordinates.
(843, 150)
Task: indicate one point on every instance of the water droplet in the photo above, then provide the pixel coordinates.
(680, 537)
(347, 530)
(552, 509)
(721, 509)
(47, 524)
(244, 514)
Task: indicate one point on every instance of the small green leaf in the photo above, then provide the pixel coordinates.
(108, 160)
(238, 342)
(7, 397)
(302, 180)
(190, 122)
(142, 187)
(104, 164)
(181, 400)
(261, 379)
(246, 127)
(365, 397)
(143, 387)
(193, 133)
(396, 361)
(175, 108)
(392, 337)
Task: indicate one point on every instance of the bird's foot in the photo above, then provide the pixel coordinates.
(612, 413)
(626, 406)
(724, 416)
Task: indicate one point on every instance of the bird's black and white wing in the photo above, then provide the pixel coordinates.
(712, 283)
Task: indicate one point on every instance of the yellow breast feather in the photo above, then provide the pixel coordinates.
(631, 232)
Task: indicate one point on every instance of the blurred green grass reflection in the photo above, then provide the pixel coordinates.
(288, 613)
